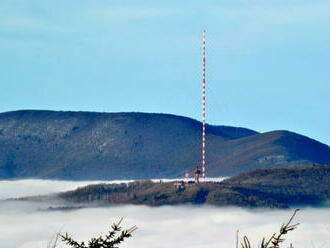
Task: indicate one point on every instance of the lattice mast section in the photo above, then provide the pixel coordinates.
(203, 105)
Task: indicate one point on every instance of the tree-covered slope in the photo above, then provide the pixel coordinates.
(89, 145)
(276, 187)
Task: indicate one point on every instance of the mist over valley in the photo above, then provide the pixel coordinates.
(28, 225)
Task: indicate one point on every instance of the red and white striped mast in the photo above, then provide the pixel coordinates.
(203, 114)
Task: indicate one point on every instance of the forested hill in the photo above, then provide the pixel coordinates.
(276, 188)
(90, 145)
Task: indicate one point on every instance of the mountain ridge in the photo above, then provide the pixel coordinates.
(134, 145)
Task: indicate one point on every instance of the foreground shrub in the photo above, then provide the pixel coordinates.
(111, 240)
(275, 240)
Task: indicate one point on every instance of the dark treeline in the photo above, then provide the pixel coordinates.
(277, 188)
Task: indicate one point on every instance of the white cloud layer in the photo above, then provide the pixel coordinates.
(30, 187)
(23, 225)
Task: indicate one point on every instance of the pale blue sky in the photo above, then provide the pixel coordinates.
(267, 60)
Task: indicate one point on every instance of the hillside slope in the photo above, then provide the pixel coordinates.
(276, 187)
(88, 145)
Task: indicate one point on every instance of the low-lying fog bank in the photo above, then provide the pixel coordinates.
(24, 225)
(31, 187)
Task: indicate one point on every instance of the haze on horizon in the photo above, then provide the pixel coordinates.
(267, 61)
